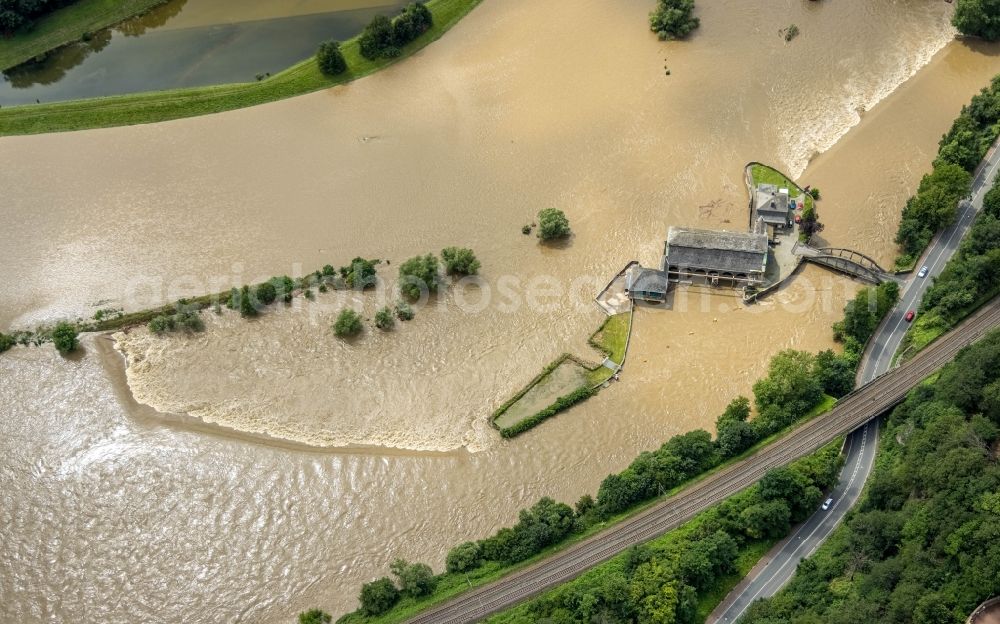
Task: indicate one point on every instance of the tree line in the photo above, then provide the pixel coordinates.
(960, 151)
(796, 384)
(383, 37)
(970, 277)
(924, 544)
(667, 579)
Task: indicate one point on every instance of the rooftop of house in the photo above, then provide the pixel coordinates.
(716, 250)
(640, 279)
(769, 198)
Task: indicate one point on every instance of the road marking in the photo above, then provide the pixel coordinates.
(847, 489)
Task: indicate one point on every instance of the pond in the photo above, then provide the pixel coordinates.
(188, 43)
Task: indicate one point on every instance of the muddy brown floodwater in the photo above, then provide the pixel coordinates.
(113, 512)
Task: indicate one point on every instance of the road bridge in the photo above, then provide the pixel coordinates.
(853, 410)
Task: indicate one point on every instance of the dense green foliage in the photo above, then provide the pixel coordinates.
(970, 277)
(21, 14)
(384, 37)
(378, 596)
(459, 261)
(384, 319)
(790, 390)
(963, 147)
(979, 18)
(863, 314)
(924, 546)
(463, 557)
(315, 616)
(64, 337)
(552, 224)
(663, 580)
(183, 319)
(419, 275)
(415, 579)
(360, 274)
(6, 342)
(933, 207)
(330, 59)
(673, 19)
(810, 223)
(348, 324)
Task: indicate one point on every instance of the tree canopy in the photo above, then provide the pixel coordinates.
(673, 19)
(979, 18)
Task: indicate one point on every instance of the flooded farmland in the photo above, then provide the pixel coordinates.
(114, 511)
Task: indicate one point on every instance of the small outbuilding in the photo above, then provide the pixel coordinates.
(646, 284)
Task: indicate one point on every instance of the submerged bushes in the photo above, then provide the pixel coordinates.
(673, 19)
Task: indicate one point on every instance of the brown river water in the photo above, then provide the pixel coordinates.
(111, 511)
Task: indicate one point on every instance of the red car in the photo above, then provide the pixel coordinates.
(798, 218)
(909, 316)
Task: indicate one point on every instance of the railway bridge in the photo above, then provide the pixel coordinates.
(847, 261)
(851, 411)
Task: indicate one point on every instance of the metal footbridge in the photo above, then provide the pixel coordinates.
(846, 261)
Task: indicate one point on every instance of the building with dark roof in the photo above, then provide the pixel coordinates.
(646, 284)
(772, 206)
(738, 258)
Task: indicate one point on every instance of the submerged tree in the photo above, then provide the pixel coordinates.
(672, 19)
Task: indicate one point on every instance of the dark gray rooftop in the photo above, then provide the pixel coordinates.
(641, 279)
(716, 250)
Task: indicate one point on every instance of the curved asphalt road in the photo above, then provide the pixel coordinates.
(778, 566)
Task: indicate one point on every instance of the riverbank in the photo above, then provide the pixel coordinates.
(140, 108)
(69, 24)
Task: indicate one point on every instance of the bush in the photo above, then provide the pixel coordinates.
(404, 311)
(418, 275)
(315, 616)
(378, 596)
(933, 207)
(384, 38)
(672, 19)
(161, 323)
(245, 303)
(526, 229)
(463, 557)
(552, 224)
(6, 342)
(64, 338)
(348, 324)
(460, 261)
(330, 59)
(415, 579)
(384, 319)
(266, 293)
(360, 274)
(863, 313)
(376, 38)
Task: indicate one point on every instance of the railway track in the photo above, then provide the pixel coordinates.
(853, 410)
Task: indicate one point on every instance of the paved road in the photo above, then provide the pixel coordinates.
(779, 565)
(851, 412)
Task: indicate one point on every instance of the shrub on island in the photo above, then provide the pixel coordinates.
(460, 261)
(330, 59)
(348, 324)
(64, 337)
(552, 224)
(418, 275)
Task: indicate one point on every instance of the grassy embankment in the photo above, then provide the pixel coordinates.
(452, 584)
(567, 390)
(149, 107)
(67, 25)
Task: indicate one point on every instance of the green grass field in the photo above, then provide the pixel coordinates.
(762, 174)
(611, 340)
(67, 25)
(149, 107)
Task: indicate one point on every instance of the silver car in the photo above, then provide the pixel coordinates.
(827, 504)
(923, 271)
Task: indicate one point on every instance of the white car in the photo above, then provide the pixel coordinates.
(827, 504)
(923, 271)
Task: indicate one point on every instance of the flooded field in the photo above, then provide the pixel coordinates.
(188, 43)
(103, 497)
